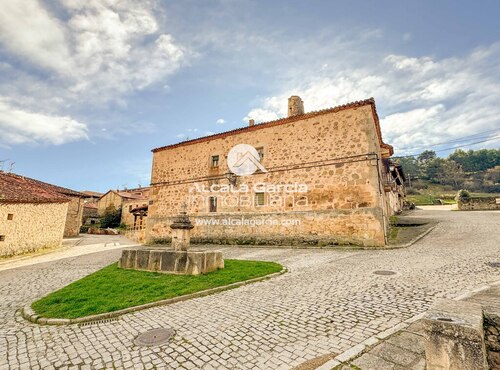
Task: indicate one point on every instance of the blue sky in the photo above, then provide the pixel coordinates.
(88, 87)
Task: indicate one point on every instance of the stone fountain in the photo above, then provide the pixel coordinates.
(179, 260)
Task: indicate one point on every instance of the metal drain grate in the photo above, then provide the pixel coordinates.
(97, 322)
(384, 272)
(154, 337)
(493, 264)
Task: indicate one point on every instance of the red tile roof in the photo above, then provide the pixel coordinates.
(285, 120)
(90, 193)
(127, 195)
(20, 189)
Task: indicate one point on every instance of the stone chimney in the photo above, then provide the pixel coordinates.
(251, 122)
(295, 106)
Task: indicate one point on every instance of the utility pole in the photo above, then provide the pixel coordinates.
(2, 162)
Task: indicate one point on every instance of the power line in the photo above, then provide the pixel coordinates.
(451, 148)
(465, 138)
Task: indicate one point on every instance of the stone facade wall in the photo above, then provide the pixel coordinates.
(475, 204)
(337, 155)
(32, 227)
(74, 217)
(127, 205)
(108, 201)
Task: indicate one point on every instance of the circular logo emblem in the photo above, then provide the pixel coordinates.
(244, 160)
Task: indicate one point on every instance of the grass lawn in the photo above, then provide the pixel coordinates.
(112, 288)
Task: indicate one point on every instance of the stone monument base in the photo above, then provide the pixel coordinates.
(171, 261)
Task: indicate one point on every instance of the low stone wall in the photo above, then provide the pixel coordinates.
(477, 204)
(137, 235)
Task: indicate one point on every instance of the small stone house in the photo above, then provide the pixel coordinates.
(90, 216)
(134, 212)
(116, 199)
(321, 177)
(32, 215)
(75, 207)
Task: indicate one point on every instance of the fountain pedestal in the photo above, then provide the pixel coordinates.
(180, 260)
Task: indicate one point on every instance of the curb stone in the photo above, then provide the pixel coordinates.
(29, 314)
(371, 342)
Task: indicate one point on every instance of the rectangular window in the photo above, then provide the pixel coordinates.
(130, 207)
(212, 204)
(215, 161)
(10, 216)
(261, 153)
(2, 238)
(259, 199)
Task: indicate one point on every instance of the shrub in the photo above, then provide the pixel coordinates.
(111, 218)
(462, 194)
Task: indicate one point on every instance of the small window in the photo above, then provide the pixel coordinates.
(2, 238)
(259, 199)
(10, 216)
(213, 204)
(130, 208)
(215, 161)
(261, 153)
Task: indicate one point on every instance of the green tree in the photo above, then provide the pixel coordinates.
(112, 218)
(426, 156)
(411, 166)
(476, 160)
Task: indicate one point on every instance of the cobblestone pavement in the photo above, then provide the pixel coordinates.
(327, 303)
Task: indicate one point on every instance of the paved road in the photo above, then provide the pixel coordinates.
(73, 247)
(328, 302)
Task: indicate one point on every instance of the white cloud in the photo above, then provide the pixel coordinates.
(220, 121)
(421, 101)
(20, 127)
(27, 29)
(97, 52)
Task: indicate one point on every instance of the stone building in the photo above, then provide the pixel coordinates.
(321, 177)
(394, 186)
(134, 212)
(32, 215)
(91, 196)
(75, 207)
(121, 199)
(90, 216)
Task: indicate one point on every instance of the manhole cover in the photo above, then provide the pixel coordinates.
(384, 272)
(155, 337)
(493, 264)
